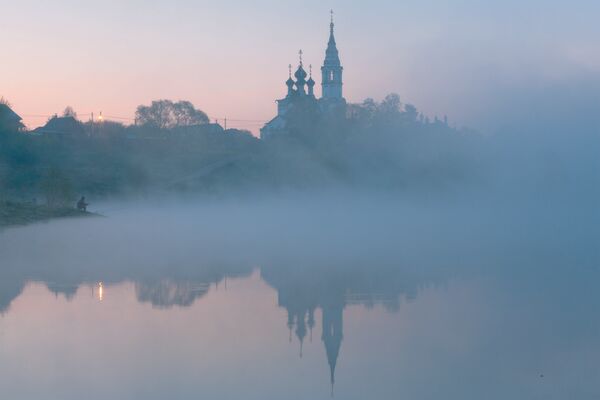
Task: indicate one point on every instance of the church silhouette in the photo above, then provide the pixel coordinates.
(301, 97)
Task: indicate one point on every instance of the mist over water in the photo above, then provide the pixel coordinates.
(396, 291)
(358, 250)
(440, 264)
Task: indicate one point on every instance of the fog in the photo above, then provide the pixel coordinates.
(468, 280)
(442, 242)
(366, 261)
(449, 233)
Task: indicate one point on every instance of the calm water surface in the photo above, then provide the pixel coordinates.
(168, 310)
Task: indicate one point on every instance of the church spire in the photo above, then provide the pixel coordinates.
(332, 69)
(331, 26)
(332, 57)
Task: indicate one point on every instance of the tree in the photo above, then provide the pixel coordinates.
(165, 114)
(70, 112)
(411, 112)
(390, 105)
(186, 115)
(370, 107)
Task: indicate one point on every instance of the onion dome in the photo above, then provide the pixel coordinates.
(290, 81)
(311, 81)
(311, 87)
(301, 73)
(311, 84)
(300, 79)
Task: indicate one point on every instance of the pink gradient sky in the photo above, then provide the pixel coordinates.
(230, 58)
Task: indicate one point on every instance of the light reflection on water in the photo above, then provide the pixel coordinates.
(140, 331)
(262, 336)
(381, 317)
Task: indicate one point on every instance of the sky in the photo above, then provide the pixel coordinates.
(472, 60)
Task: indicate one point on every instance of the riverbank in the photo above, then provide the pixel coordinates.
(12, 213)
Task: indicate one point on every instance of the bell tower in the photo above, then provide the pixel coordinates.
(332, 69)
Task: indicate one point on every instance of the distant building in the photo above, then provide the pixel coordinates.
(332, 76)
(300, 92)
(10, 120)
(65, 126)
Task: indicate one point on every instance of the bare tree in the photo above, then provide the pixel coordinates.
(186, 115)
(166, 114)
(70, 112)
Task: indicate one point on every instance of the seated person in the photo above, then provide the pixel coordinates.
(82, 205)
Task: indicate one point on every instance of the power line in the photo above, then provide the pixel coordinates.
(254, 121)
(122, 118)
(49, 115)
(236, 123)
(242, 120)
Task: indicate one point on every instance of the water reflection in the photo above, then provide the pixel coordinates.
(100, 291)
(302, 290)
(168, 293)
(381, 319)
(9, 290)
(68, 290)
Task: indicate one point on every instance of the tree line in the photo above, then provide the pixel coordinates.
(173, 148)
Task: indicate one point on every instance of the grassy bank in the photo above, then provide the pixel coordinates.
(12, 213)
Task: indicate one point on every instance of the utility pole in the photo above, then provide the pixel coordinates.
(225, 123)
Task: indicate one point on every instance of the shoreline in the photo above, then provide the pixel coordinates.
(20, 214)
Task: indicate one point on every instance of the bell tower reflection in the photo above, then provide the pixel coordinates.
(300, 294)
(301, 289)
(333, 333)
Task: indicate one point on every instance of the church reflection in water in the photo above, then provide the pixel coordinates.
(168, 293)
(302, 291)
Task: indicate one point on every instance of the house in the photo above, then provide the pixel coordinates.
(9, 120)
(66, 126)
